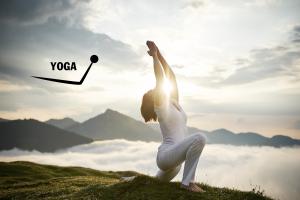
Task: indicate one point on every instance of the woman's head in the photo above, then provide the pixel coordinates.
(147, 107)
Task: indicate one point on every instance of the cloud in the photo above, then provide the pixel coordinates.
(296, 125)
(245, 167)
(203, 37)
(194, 4)
(37, 32)
(259, 64)
(264, 63)
(282, 104)
(55, 40)
(220, 165)
(35, 11)
(296, 35)
(26, 49)
(261, 3)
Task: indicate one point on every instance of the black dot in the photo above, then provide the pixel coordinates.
(94, 58)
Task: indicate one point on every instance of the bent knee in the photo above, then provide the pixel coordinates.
(200, 138)
(168, 175)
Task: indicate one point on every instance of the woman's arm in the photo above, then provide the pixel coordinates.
(170, 75)
(159, 95)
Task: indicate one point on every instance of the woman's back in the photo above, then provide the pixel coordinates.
(172, 120)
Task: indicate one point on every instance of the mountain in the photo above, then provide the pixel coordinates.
(112, 124)
(3, 120)
(26, 180)
(223, 136)
(64, 123)
(282, 140)
(30, 134)
(191, 130)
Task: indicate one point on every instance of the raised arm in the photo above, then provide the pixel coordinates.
(170, 75)
(159, 95)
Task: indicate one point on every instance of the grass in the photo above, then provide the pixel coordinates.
(26, 180)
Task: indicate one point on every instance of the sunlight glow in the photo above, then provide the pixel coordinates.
(167, 86)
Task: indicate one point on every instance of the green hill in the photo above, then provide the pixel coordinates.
(25, 180)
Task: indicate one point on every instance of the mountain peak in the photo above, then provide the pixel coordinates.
(115, 114)
(108, 110)
(113, 124)
(223, 131)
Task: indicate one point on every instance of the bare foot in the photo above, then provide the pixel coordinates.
(192, 187)
(152, 48)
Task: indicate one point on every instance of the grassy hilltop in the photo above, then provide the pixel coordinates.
(25, 180)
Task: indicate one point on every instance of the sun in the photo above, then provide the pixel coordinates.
(167, 87)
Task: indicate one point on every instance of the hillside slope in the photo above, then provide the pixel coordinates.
(25, 180)
(3, 120)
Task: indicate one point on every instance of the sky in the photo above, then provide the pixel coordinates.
(237, 62)
(238, 167)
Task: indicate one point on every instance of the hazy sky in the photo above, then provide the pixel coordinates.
(237, 62)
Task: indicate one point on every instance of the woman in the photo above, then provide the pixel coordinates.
(163, 105)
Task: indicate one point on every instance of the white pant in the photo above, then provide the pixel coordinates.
(169, 159)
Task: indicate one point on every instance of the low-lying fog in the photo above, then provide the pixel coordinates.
(275, 170)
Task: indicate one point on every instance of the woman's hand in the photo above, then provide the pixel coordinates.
(152, 48)
(154, 51)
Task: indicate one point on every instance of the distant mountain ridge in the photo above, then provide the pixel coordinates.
(30, 134)
(63, 133)
(113, 125)
(64, 123)
(3, 120)
(224, 136)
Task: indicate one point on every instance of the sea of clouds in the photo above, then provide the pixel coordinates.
(274, 170)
